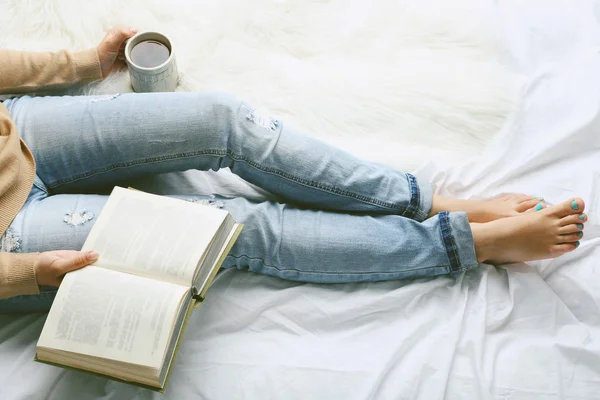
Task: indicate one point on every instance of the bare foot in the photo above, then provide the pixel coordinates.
(509, 205)
(532, 236)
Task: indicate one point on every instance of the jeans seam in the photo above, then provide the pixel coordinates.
(415, 197)
(332, 272)
(236, 157)
(450, 243)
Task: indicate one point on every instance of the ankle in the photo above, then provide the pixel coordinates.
(473, 208)
(434, 205)
(440, 204)
(483, 248)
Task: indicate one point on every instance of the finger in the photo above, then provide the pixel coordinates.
(117, 36)
(65, 253)
(76, 261)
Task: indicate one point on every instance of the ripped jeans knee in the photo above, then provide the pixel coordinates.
(52, 222)
(265, 121)
(10, 242)
(78, 217)
(64, 221)
(97, 99)
(207, 201)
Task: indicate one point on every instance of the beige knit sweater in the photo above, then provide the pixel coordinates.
(21, 72)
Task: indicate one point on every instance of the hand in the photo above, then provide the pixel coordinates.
(110, 50)
(51, 266)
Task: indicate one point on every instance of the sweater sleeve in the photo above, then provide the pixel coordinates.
(26, 71)
(17, 275)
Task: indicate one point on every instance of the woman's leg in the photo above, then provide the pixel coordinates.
(319, 246)
(327, 247)
(278, 240)
(85, 143)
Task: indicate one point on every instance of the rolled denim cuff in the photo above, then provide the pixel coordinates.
(458, 241)
(421, 199)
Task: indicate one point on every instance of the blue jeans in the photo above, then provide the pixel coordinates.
(337, 218)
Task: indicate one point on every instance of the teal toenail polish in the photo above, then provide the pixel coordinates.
(539, 207)
(580, 226)
(577, 244)
(582, 217)
(574, 205)
(580, 234)
(540, 198)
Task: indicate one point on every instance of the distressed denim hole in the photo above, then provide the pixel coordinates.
(212, 201)
(10, 241)
(104, 98)
(78, 218)
(268, 123)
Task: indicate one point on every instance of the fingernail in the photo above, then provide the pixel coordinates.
(133, 30)
(92, 255)
(580, 234)
(574, 205)
(582, 217)
(539, 207)
(577, 244)
(580, 226)
(540, 198)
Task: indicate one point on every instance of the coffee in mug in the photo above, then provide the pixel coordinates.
(151, 63)
(150, 53)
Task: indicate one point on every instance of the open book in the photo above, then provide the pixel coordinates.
(123, 316)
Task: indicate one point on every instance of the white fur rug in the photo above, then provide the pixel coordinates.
(424, 78)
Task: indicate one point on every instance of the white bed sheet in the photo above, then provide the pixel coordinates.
(520, 332)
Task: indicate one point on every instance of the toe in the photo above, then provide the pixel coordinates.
(569, 207)
(577, 205)
(523, 198)
(519, 198)
(509, 198)
(574, 219)
(563, 248)
(529, 204)
(571, 228)
(571, 237)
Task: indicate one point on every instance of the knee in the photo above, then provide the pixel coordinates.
(224, 103)
(226, 106)
(263, 226)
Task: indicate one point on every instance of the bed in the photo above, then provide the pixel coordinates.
(528, 120)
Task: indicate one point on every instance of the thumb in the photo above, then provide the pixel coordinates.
(77, 260)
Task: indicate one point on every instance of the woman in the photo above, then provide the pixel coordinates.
(340, 219)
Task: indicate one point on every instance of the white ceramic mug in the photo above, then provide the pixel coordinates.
(161, 78)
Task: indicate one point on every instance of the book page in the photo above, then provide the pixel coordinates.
(153, 236)
(105, 313)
